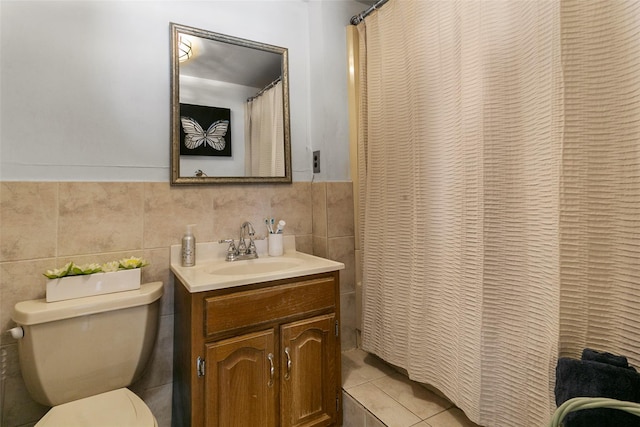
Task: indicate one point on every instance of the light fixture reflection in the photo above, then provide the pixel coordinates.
(184, 49)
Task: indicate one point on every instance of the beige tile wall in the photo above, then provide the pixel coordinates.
(333, 238)
(43, 225)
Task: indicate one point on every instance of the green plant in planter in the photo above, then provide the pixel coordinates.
(72, 269)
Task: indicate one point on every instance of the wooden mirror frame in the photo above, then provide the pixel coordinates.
(176, 179)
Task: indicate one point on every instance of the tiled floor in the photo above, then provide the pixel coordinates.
(375, 395)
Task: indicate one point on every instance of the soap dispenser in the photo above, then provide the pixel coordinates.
(189, 247)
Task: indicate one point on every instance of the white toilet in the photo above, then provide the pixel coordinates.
(79, 355)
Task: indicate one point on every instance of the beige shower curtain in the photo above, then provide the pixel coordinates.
(264, 133)
(499, 194)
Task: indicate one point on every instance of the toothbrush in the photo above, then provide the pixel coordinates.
(269, 228)
(281, 225)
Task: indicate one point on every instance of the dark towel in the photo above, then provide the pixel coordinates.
(608, 358)
(588, 378)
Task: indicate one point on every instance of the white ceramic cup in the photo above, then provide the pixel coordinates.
(276, 247)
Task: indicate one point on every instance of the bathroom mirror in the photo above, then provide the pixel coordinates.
(229, 109)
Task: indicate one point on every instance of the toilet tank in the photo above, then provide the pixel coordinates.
(86, 346)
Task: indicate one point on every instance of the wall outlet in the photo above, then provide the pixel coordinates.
(316, 161)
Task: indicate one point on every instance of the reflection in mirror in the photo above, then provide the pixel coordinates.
(229, 109)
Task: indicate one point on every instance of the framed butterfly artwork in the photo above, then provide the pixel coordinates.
(205, 131)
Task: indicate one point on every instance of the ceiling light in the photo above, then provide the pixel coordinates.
(184, 49)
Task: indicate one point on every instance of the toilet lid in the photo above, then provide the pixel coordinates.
(114, 408)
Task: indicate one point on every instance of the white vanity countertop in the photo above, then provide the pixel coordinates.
(212, 271)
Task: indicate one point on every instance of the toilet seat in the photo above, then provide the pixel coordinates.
(114, 408)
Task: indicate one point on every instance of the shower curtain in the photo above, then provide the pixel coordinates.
(264, 130)
(499, 194)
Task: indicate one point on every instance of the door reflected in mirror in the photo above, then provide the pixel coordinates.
(229, 109)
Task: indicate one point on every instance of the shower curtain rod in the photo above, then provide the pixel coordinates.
(266, 88)
(356, 19)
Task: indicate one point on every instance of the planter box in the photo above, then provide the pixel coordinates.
(71, 287)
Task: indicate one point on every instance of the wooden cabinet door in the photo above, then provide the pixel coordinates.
(240, 381)
(308, 373)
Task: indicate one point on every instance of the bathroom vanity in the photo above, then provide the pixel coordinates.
(257, 343)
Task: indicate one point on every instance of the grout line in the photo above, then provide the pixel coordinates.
(398, 402)
(365, 408)
(57, 213)
(451, 405)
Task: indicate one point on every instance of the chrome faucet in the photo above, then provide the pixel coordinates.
(250, 251)
(242, 251)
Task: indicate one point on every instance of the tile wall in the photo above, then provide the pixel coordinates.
(333, 238)
(44, 225)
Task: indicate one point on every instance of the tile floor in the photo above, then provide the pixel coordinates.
(375, 395)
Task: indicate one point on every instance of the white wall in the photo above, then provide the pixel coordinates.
(84, 85)
(329, 124)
